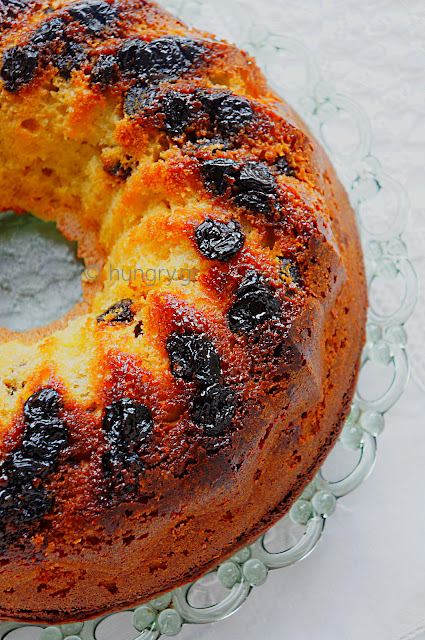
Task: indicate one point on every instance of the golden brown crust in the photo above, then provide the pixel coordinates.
(127, 165)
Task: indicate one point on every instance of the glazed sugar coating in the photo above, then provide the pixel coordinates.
(173, 416)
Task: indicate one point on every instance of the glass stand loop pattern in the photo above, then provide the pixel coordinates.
(344, 130)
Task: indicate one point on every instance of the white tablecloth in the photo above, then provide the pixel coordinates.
(366, 578)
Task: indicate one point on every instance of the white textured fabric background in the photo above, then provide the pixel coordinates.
(366, 579)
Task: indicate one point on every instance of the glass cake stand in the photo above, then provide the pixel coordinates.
(344, 130)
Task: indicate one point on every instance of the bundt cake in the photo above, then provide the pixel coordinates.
(177, 412)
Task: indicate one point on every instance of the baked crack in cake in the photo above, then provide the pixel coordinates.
(170, 418)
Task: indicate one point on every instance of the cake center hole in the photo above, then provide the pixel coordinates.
(40, 273)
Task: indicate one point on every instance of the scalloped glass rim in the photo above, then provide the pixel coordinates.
(345, 131)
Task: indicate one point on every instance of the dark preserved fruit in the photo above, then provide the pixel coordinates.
(251, 185)
(214, 408)
(93, 14)
(45, 439)
(136, 100)
(211, 101)
(127, 423)
(18, 66)
(159, 60)
(71, 57)
(30, 504)
(104, 70)
(49, 31)
(283, 167)
(256, 188)
(43, 404)
(205, 114)
(193, 357)
(177, 111)
(233, 114)
(12, 6)
(220, 174)
(254, 305)
(219, 240)
(119, 312)
(19, 467)
(255, 176)
(45, 436)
